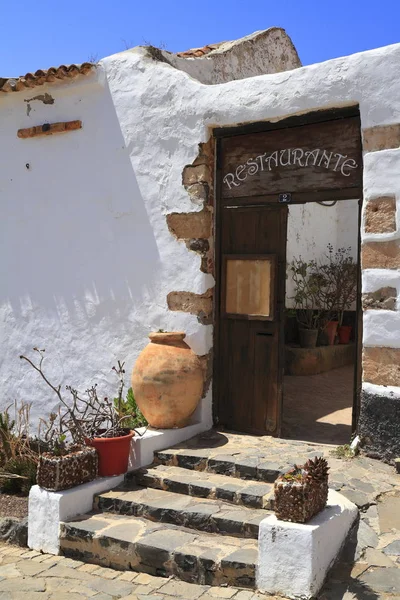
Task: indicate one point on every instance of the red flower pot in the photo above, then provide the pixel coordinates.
(330, 330)
(344, 333)
(113, 453)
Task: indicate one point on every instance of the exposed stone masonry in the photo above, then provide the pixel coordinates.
(381, 255)
(196, 304)
(385, 298)
(380, 215)
(381, 366)
(382, 137)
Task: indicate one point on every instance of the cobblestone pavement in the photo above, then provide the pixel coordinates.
(29, 575)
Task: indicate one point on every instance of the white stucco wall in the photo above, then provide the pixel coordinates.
(311, 227)
(86, 256)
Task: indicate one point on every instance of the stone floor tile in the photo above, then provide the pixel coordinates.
(146, 579)
(221, 592)
(20, 584)
(127, 575)
(181, 589)
(107, 573)
(382, 580)
(9, 571)
(393, 549)
(376, 558)
(29, 568)
(88, 568)
(244, 595)
(73, 564)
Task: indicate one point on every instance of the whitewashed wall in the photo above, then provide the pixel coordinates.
(311, 227)
(86, 257)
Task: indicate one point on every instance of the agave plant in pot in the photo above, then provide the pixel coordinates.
(302, 492)
(95, 422)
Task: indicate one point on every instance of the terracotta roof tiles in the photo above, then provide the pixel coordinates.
(198, 52)
(40, 77)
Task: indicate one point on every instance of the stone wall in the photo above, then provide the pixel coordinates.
(379, 423)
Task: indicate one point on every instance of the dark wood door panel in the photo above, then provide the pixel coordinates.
(314, 157)
(249, 351)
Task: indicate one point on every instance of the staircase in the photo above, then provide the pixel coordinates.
(189, 515)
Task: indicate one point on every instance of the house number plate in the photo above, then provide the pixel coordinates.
(285, 198)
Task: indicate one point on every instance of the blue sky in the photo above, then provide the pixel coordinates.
(49, 33)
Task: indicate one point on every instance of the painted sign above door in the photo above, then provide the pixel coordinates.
(308, 158)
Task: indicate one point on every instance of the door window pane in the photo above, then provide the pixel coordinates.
(249, 284)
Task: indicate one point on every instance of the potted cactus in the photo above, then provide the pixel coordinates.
(302, 492)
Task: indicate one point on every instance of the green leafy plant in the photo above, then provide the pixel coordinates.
(18, 454)
(129, 411)
(307, 296)
(18, 474)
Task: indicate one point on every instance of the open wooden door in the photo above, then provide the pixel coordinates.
(252, 300)
(261, 168)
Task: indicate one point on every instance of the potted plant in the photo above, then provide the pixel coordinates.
(302, 492)
(307, 299)
(340, 274)
(63, 464)
(95, 422)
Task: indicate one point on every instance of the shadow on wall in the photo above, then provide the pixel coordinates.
(77, 229)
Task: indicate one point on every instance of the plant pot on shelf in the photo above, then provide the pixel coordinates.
(344, 334)
(57, 473)
(308, 337)
(330, 331)
(302, 492)
(113, 453)
(167, 381)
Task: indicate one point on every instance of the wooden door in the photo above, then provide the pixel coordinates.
(251, 306)
(260, 168)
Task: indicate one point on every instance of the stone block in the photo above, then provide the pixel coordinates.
(294, 558)
(380, 255)
(48, 509)
(381, 366)
(196, 174)
(195, 304)
(186, 226)
(385, 299)
(379, 424)
(382, 137)
(380, 215)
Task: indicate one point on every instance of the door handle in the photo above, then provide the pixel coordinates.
(265, 333)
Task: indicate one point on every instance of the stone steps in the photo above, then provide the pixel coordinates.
(201, 526)
(249, 493)
(161, 549)
(210, 515)
(240, 465)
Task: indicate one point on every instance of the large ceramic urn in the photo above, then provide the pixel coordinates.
(167, 380)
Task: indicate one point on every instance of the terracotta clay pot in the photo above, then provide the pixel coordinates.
(167, 381)
(344, 333)
(330, 330)
(113, 453)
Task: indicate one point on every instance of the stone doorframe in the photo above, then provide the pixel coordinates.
(379, 420)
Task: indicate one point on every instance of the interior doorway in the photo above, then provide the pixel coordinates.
(264, 172)
(320, 372)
